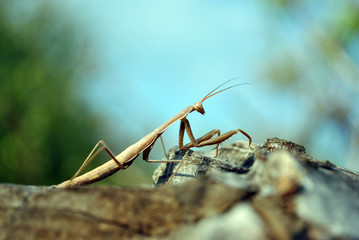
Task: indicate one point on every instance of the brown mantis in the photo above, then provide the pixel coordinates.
(126, 158)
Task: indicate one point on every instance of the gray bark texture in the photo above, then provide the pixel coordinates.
(274, 191)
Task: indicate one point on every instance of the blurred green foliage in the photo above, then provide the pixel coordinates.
(45, 129)
(321, 69)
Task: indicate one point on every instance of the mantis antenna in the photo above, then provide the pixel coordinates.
(212, 93)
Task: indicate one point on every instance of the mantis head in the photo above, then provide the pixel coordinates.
(198, 105)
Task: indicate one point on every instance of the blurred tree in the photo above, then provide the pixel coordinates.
(45, 129)
(323, 51)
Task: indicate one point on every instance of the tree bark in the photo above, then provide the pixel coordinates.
(276, 191)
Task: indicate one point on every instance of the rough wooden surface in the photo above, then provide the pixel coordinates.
(276, 191)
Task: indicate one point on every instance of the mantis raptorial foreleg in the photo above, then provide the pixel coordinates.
(186, 126)
(205, 140)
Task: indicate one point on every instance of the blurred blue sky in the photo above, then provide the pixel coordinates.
(152, 59)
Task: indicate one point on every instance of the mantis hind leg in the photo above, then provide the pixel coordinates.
(95, 151)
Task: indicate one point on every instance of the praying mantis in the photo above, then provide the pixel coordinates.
(145, 145)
